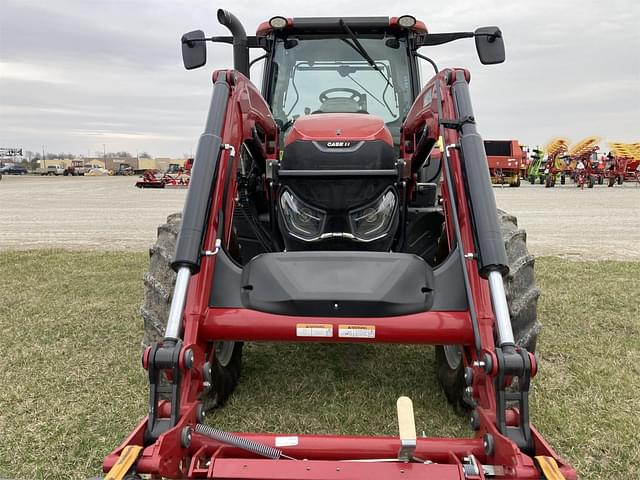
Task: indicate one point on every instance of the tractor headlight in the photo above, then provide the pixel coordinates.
(302, 221)
(373, 221)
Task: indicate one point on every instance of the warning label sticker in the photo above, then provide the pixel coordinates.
(314, 330)
(286, 441)
(357, 331)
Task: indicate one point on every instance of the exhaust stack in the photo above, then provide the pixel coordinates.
(240, 45)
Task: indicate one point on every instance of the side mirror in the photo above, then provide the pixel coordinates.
(489, 45)
(194, 49)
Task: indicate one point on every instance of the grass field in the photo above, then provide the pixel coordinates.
(72, 386)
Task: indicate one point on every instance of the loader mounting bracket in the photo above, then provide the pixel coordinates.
(514, 362)
(163, 357)
(457, 123)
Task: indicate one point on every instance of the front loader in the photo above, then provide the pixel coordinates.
(317, 213)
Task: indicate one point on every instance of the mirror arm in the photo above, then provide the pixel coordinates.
(253, 42)
(432, 39)
(491, 36)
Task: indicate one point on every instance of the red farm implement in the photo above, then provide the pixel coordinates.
(506, 160)
(556, 164)
(623, 164)
(584, 164)
(176, 177)
(316, 213)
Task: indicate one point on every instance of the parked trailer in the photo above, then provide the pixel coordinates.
(505, 158)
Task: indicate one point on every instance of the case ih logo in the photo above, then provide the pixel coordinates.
(338, 144)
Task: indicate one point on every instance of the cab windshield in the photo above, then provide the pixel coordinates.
(327, 75)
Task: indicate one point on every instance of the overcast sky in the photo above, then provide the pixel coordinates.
(75, 75)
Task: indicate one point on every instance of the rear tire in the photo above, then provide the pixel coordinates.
(159, 281)
(522, 298)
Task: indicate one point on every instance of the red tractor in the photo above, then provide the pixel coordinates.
(317, 213)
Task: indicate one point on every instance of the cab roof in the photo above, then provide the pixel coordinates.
(328, 25)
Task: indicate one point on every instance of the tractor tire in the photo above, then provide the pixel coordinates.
(223, 358)
(522, 298)
(515, 183)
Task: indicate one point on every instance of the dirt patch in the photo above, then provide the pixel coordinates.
(87, 213)
(109, 213)
(598, 223)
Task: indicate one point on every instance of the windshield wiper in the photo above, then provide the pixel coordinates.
(357, 46)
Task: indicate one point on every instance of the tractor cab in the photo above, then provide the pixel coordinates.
(340, 72)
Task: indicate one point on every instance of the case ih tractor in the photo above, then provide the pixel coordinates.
(316, 214)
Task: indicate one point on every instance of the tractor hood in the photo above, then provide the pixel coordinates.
(338, 141)
(339, 129)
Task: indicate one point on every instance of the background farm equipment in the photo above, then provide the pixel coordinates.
(555, 166)
(506, 159)
(150, 179)
(305, 222)
(124, 169)
(623, 163)
(535, 170)
(585, 154)
(176, 176)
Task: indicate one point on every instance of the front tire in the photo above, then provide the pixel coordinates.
(522, 298)
(223, 358)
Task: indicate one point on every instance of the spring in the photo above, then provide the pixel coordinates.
(239, 442)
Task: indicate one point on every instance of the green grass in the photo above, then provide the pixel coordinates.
(72, 387)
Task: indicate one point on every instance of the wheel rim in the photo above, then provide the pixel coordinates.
(223, 352)
(453, 354)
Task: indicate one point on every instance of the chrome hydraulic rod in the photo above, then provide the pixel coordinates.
(174, 322)
(501, 309)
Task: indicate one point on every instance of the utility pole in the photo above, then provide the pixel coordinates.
(44, 164)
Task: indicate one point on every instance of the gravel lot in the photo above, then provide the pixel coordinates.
(109, 213)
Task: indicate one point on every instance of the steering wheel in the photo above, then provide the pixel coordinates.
(354, 95)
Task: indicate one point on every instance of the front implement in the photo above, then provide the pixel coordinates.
(330, 296)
